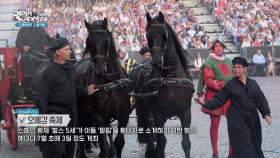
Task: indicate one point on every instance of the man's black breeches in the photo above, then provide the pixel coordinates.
(26, 85)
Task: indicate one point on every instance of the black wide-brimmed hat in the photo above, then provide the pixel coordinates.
(144, 50)
(57, 43)
(240, 61)
(218, 41)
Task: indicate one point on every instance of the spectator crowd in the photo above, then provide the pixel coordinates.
(126, 20)
(247, 22)
(250, 22)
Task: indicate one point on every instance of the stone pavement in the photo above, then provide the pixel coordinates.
(201, 146)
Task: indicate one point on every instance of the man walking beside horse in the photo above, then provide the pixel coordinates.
(57, 95)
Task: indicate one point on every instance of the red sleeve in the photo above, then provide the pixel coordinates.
(209, 79)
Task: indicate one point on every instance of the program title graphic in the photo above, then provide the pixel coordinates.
(26, 18)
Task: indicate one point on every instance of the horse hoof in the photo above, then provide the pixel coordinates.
(142, 147)
(83, 156)
(113, 154)
(150, 153)
(104, 155)
(89, 151)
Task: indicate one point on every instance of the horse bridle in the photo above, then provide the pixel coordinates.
(105, 58)
(108, 48)
(163, 54)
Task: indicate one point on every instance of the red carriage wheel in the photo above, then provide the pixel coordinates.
(10, 126)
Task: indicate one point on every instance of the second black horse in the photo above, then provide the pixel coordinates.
(170, 87)
(104, 70)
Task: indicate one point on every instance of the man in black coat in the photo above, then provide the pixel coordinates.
(244, 127)
(140, 76)
(57, 95)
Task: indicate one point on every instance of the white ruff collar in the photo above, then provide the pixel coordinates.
(220, 58)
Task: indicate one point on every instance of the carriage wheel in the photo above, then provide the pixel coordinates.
(12, 127)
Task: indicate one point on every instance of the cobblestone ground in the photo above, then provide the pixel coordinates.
(201, 146)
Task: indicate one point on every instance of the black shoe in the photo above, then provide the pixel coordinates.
(89, 151)
(215, 156)
(143, 138)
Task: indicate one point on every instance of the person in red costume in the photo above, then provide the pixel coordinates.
(216, 70)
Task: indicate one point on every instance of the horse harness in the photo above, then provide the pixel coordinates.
(124, 83)
(157, 83)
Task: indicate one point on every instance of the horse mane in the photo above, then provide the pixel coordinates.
(180, 50)
(86, 51)
(112, 46)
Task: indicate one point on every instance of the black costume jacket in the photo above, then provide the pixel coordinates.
(244, 126)
(57, 90)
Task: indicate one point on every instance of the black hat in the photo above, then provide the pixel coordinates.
(57, 43)
(217, 41)
(144, 50)
(240, 61)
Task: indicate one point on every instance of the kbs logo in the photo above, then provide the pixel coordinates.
(26, 18)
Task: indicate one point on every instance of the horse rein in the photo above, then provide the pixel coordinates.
(165, 43)
(113, 84)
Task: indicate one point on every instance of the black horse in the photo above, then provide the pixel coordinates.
(104, 70)
(170, 88)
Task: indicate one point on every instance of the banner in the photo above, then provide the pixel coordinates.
(49, 120)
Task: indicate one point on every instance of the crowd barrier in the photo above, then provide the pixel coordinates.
(247, 52)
